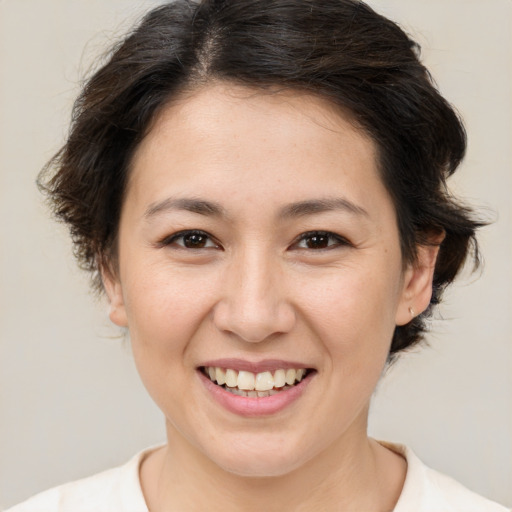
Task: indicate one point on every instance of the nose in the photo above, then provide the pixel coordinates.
(254, 305)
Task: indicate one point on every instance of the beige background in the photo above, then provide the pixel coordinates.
(71, 403)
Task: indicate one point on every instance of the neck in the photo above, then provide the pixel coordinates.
(355, 474)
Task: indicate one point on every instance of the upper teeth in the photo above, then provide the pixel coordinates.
(248, 381)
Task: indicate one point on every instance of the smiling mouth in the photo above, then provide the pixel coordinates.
(255, 385)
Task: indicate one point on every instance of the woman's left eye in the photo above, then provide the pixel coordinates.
(319, 240)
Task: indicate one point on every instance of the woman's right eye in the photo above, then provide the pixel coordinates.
(191, 239)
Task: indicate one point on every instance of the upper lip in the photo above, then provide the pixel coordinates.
(266, 365)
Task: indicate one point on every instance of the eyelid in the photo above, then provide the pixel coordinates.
(171, 239)
(340, 240)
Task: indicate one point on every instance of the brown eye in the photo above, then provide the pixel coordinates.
(317, 241)
(320, 240)
(195, 241)
(190, 240)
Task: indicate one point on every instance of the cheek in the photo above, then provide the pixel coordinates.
(166, 313)
(164, 307)
(352, 311)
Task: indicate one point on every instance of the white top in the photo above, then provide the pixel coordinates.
(119, 490)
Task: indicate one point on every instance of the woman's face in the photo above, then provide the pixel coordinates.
(257, 237)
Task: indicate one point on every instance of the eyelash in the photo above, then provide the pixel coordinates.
(338, 240)
(170, 240)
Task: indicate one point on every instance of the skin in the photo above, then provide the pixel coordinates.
(259, 289)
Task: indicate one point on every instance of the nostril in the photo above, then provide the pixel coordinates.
(254, 324)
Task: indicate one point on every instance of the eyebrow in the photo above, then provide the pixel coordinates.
(199, 206)
(298, 209)
(309, 207)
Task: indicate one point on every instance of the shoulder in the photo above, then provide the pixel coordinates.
(115, 489)
(426, 490)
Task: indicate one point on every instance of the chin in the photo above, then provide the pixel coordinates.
(258, 459)
(260, 468)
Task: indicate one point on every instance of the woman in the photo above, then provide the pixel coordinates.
(259, 188)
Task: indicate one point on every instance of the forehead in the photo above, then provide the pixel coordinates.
(211, 95)
(225, 106)
(255, 141)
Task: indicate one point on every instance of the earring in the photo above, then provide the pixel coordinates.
(411, 311)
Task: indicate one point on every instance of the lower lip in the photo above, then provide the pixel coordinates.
(255, 406)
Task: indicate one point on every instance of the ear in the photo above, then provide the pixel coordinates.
(114, 290)
(418, 277)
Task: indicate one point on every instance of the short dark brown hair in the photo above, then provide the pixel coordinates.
(340, 50)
